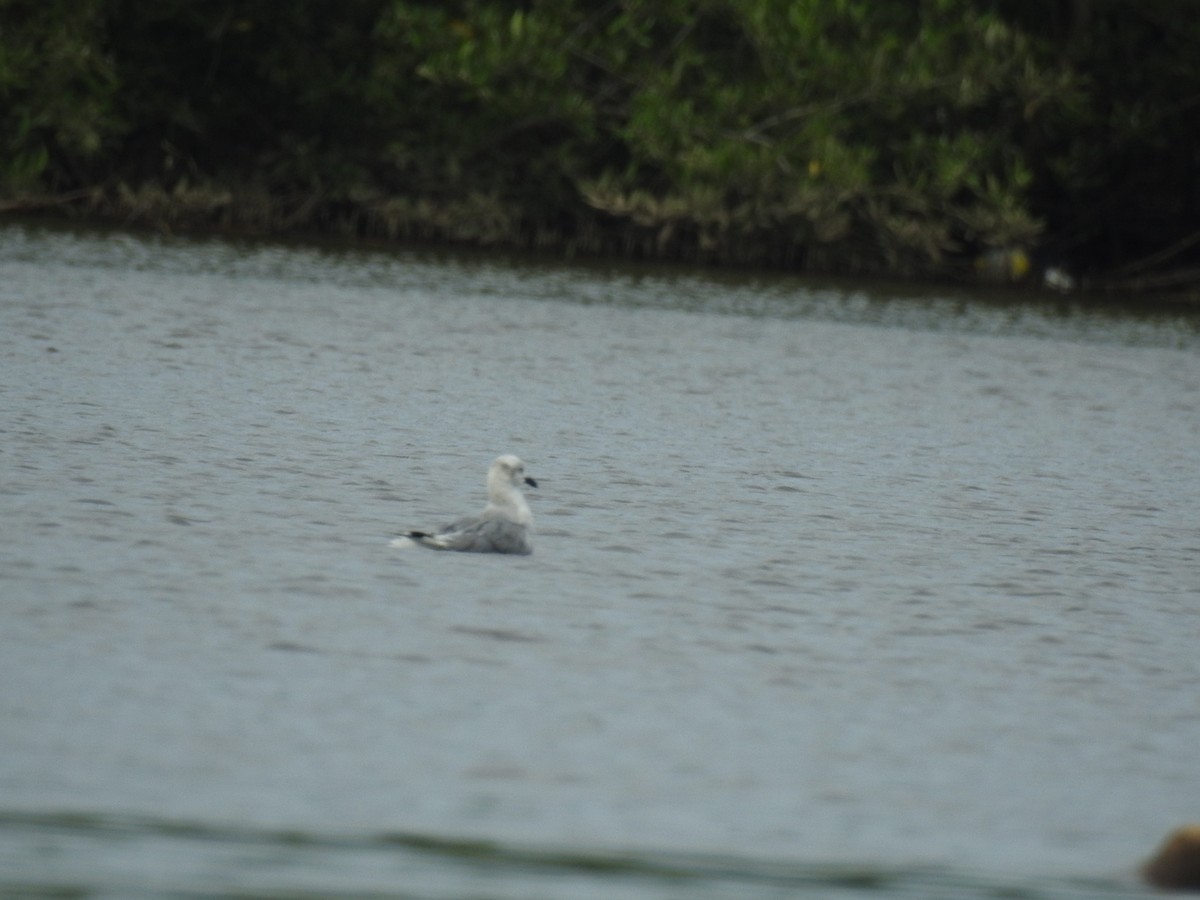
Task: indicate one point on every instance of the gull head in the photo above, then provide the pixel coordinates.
(504, 481)
(508, 471)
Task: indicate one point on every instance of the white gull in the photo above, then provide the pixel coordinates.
(504, 526)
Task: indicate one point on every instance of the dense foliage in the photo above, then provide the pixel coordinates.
(906, 136)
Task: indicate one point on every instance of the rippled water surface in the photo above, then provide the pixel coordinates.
(835, 591)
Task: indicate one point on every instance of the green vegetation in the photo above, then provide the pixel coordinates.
(895, 136)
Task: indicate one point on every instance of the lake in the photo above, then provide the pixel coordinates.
(837, 589)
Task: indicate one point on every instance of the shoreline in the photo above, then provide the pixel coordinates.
(457, 225)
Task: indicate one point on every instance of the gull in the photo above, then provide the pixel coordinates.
(504, 526)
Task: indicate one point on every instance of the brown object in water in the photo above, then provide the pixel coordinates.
(1177, 862)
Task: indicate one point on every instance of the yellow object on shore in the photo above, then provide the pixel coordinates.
(1007, 264)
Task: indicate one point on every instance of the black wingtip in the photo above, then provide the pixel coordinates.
(417, 535)
(531, 482)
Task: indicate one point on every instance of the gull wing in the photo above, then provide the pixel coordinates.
(478, 534)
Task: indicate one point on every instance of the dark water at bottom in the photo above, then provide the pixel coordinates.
(128, 857)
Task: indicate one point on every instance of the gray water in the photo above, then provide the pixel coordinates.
(835, 591)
